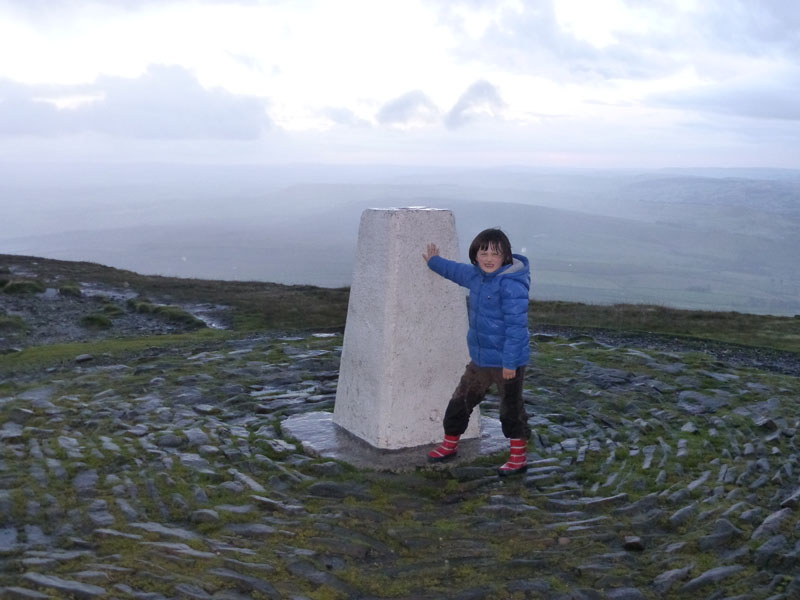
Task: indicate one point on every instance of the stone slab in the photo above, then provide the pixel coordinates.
(321, 437)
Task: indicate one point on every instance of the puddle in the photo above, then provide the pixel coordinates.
(208, 314)
(94, 290)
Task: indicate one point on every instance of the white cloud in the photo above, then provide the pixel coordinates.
(413, 109)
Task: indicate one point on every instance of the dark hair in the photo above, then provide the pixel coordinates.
(491, 237)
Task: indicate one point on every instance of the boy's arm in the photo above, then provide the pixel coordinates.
(456, 272)
(514, 296)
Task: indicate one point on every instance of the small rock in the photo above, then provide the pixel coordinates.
(769, 551)
(205, 515)
(18, 593)
(771, 524)
(793, 501)
(712, 576)
(683, 515)
(625, 594)
(75, 588)
(664, 582)
(633, 543)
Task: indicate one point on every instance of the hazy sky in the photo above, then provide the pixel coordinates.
(585, 83)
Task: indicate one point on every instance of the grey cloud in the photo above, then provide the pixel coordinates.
(753, 99)
(407, 109)
(768, 27)
(531, 41)
(39, 9)
(164, 103)
(20, 114)
(168, 102)
(481, 98)
(344, 116)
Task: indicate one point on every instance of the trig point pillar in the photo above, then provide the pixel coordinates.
(405, 346)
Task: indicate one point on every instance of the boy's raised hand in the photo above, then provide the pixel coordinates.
(432, 251)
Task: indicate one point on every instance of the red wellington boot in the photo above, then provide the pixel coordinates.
(518, 462)
(447, 450)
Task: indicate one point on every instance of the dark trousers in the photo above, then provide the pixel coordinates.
(472, 389)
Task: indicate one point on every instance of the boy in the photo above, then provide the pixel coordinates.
(498, 341)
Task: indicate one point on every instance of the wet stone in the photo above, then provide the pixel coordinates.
(251, 530)
(682, 516)
(771, 524)
(306, 570)
(770, 551)
(165, 531)
(724, 531)
(331, 489)
(626, 594)
(20, 593)
(246, 480)
(139, 430)
(204, 515)
(170, 440)
(75, 588)
(793, 500)
(85, 482)
(8, 540)
(276, 506)
(633, 543)
(180, 549)
(670, 579)
(105, 532)
(191, 592)
(712, 577)
(10, 432)
(696, 403)
(99, 514)
(127, 509)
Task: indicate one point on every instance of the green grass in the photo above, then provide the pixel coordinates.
(70, 289)
(24, 286)
(175, 314)
(113, 349)
(112, 310)
(766, 331)
(96, 321)
(12, 323)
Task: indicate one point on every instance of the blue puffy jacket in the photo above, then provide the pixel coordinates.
(498, 310)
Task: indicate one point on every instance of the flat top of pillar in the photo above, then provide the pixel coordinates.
(411, 208)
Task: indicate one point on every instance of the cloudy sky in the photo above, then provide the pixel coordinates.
(583, 83)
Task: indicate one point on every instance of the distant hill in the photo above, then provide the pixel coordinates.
(670, 238)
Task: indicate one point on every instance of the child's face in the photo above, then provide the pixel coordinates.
(489, 259)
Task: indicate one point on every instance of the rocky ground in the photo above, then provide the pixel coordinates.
(660, 468)
(56, 317)
(656, 473)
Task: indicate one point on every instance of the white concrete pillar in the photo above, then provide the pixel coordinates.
(405, 343)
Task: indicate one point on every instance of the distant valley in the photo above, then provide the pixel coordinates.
(721, 241)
